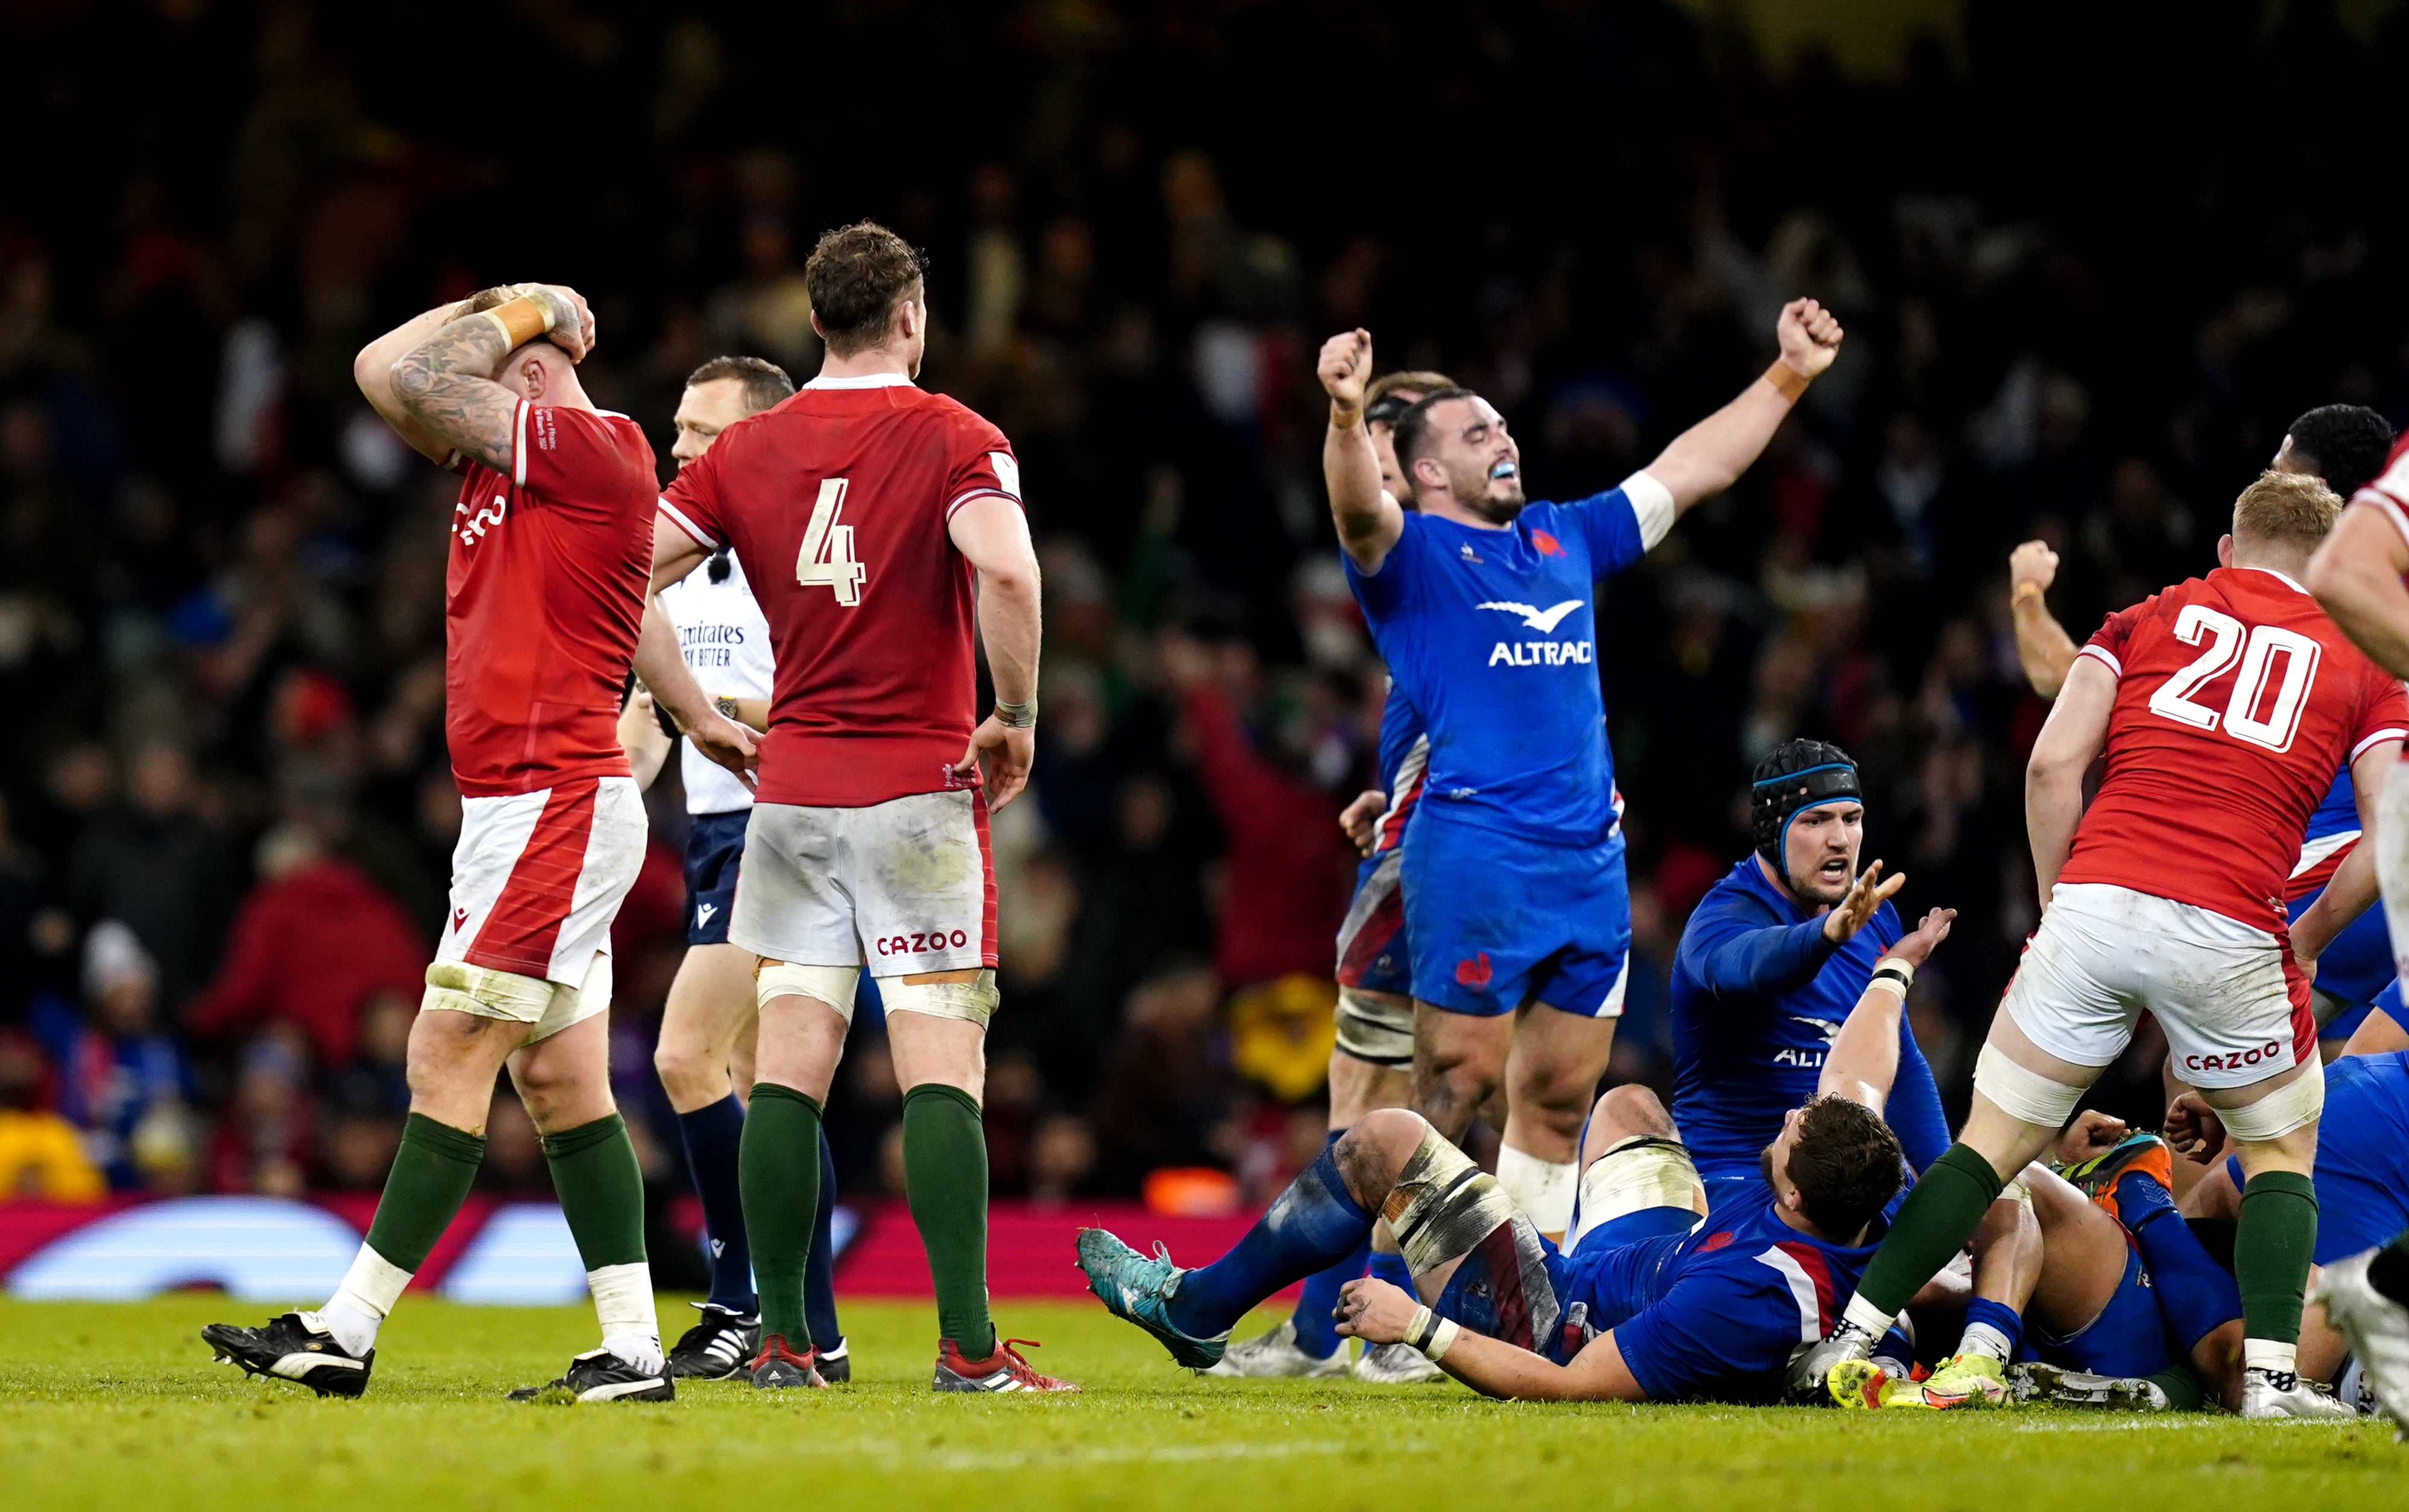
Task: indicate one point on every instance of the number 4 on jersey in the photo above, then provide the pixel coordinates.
(827, 559)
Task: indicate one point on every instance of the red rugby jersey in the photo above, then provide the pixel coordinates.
(2236, 702)
(836, 500)
(544, 598)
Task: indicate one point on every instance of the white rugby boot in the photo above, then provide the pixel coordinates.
(2377, 1326)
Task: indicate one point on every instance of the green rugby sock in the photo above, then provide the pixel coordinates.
(429, 1180)
(1932, 1226)
(2271, 1247)
(2181, 1386)
(778, 1170)
(602, 1190)
(944, 1180)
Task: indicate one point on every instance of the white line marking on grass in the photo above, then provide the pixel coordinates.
(2140, 1425)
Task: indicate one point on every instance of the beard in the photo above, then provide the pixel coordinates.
(1497, 502)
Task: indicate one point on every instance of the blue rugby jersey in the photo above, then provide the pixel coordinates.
(1759, 994)
(1490, 634)
(1717, 1312)
(1405, 761)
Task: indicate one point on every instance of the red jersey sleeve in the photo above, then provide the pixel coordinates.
(577, 460)
(691, 501)
(2108, 644)
(2384, 716)
(2388, 490)
(982, 464)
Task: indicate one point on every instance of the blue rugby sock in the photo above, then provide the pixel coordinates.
(1317, 1333)
(1390, 1266)
(1315, 1223)
(712, 1134)
(819, 1270)
(2197, 1295)
(2000, 1318)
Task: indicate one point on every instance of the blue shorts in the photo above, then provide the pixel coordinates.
(1498, 920)
(1517, 1286)
(1372, 952)
(2363, 1170)
(2128, 1338)
(713, 849)
(2355, 968)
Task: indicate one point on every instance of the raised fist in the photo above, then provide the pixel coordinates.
(1809, 335)
(1346, 366)
(2033, 562)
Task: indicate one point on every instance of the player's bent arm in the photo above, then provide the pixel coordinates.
(2069, 741)
(994, 533)
(446, 383)
(641, 737)
(2353, 886)
(1711, 456)
(1369, 520)
(1495, 1368)
(1863, 1064)
(373, 370)
(2379, 1033)
(2356, 575)
(660, 666)
(2044, 648)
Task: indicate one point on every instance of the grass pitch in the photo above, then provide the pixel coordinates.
(118, 1406)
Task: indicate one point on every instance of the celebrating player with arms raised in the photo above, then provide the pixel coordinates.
(868, 831)
(543, 596)
(1512, 867)
(2225, 706)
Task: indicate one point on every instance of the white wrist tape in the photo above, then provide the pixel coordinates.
(1442, 1341)
(2024, 1094)
(2295, 1105)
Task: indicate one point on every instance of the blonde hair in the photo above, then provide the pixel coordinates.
(2291, 508)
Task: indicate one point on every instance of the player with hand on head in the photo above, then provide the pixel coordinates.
(1372, 1064)
(2344, 445)
(1654, 1296)
(900, 512)
(544, 598)
(2223, 706)
(1479, 603)
(1770, 962)
(705, 1052)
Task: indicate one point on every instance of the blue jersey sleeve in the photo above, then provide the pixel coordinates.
(1611, 528)
(1384, 592)
(1712, 1324)
(1730, 952)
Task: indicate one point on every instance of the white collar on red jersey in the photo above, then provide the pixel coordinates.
(864, 381)
(2285, 578)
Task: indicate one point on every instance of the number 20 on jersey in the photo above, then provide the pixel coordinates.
(2256, 648)
(827, 559)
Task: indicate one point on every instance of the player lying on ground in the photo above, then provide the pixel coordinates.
(900, 512)
(1644, 1302)
(704, 1054)
(544, 598)
(1372, 1064)
(1479, 602)
(2225, 705)
(2089, 1291)
(1770, 962)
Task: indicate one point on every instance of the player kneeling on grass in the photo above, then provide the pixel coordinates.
(1653, 1297)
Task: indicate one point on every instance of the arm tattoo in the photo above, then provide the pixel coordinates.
(444, 382)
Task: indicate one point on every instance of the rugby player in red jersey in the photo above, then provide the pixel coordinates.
(900, 511)
(2361, 576)
(544, 598)
(2224, 704)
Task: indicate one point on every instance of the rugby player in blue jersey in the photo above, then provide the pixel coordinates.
(1371, 1066)
(1772, 960)
(1655, 1296)
(1512, 866)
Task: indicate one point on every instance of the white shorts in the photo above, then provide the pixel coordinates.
(2392, 861)
(2233, 1006)
(906, 886)
(537, 878)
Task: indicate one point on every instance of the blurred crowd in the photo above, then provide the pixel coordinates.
(227, 810)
